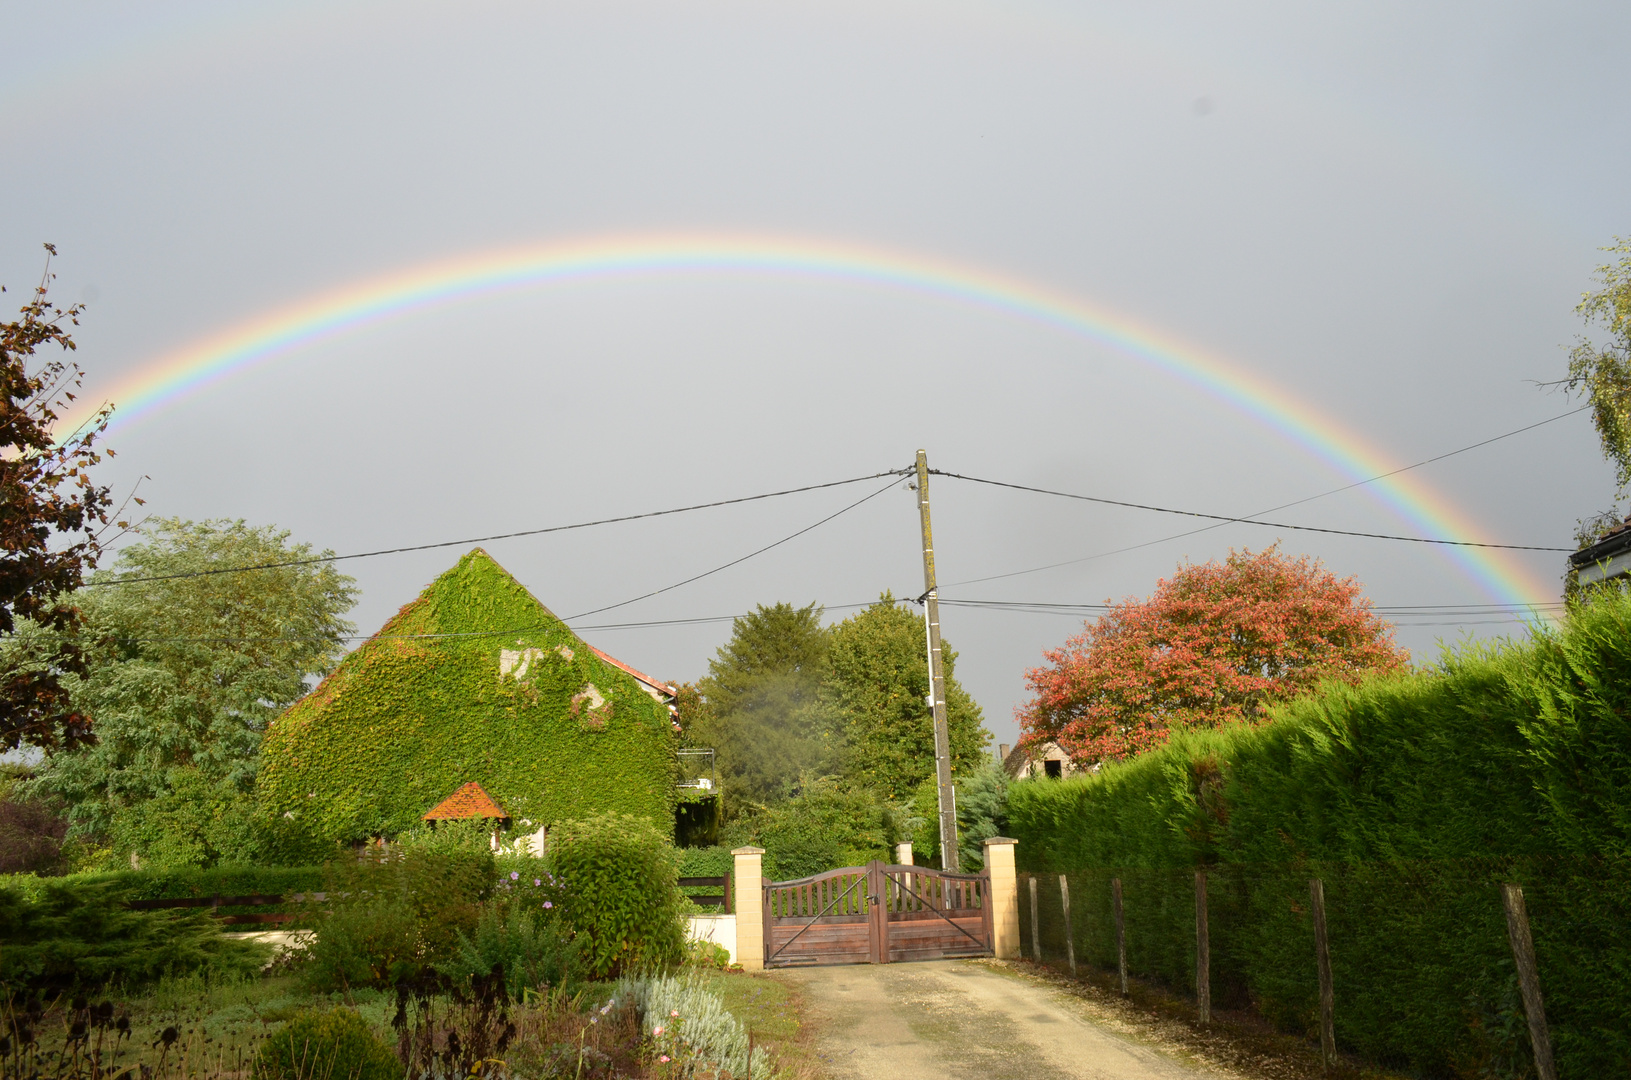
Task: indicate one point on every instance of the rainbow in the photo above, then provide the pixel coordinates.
(172, 378)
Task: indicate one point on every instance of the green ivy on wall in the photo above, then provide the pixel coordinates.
(474, 680)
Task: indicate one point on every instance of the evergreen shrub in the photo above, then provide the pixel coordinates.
(75, 935)
(1413, 797)
(618, 875)
(333, 1045)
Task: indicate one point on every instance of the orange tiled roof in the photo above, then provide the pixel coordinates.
(660, 687)
(470, 801)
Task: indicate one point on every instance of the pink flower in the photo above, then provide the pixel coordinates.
(515, 875)
(548, 904)
(535, 881)
(656, 1031)
(663, 1059)
(674, 1012)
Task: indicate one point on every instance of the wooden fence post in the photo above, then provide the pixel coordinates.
(1203, 952)
(1036, 937)
(1523, 953)
(1121, 933)
(1322, 956)
(1070, 935)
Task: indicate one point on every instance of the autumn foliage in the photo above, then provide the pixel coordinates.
(1216, 643)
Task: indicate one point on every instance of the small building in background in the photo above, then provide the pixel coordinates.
(1043, 759)
(1607, 559)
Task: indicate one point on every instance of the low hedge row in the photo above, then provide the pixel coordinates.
(176, 884)
(1413, 798)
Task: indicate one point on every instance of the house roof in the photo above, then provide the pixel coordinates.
(1616, 540)
(470, 801)
(660, 691)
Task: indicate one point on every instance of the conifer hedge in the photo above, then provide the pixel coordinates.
(1413, 798)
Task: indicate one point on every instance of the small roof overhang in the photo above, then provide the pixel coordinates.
(470, 801)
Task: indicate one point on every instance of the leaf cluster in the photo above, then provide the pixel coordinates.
(620, 876)
(51, 530)
(392, 916)
(1601, 367)
(184, 669)
(332, 1043)
(430, 703)
(787, 699)
(1217, 643)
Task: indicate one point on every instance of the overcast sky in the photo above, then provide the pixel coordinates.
(1386, 210)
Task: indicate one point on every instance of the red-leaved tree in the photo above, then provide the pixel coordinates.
(1216, 643)
(51, 519)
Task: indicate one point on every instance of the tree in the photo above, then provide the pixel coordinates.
(187, 660)
(1216, 643)
(763, 711)
(51, 517)
(877, 686)
(1603, 370)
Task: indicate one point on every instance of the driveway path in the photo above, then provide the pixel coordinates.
(956, 1019)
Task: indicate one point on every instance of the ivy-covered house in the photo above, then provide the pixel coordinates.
(474, 682)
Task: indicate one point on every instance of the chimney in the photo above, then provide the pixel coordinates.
(1002, 751)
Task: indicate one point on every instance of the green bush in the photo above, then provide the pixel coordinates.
(391, 916)
(333, 1045)
(1413, 798)
(186, 882)
(825, 826)
(618, 875)
(79, 935)
(534, 950)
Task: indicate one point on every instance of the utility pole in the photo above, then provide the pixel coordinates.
(937, 679)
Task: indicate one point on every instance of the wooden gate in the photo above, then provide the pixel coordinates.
(877, 914)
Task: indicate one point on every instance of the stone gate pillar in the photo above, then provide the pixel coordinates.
(750, 910)
(999, 859)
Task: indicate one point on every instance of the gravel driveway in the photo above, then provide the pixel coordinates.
(953, 1018)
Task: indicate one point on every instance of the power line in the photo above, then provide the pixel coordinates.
(489, 539)
(744, 558)
(1272, 509)
(1242, 520)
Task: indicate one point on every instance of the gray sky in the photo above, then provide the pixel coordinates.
(1385, 210)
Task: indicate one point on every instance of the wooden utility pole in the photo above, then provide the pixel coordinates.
(937, 679)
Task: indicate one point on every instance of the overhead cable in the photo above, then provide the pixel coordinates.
(498, 536)
(744, 558)
(1225, 519)
(1272, 509)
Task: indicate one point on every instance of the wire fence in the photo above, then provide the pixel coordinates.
(1422, 969)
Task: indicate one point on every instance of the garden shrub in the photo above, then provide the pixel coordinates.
(391, 916)
(1412, 797)
(532, 948)
(333, 1045)
(79, 935)
(619, 875)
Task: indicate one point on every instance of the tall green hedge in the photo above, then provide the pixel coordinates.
(1413, 798)
(425, 706)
